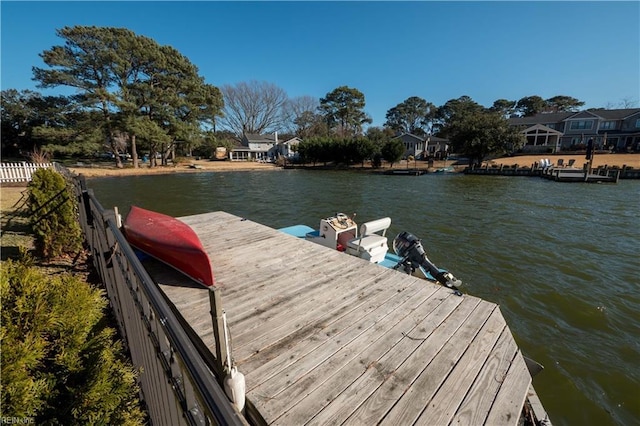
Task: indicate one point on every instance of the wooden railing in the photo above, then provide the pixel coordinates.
(177, 384)
(19, 172)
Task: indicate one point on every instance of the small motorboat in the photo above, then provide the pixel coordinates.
(169, 240)
(369, 242)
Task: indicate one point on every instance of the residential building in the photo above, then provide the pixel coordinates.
(421, 148)
(613, 129)
(254, 147)
(288, 148)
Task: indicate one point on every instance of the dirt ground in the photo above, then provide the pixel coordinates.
(105, 169)
(630, 160)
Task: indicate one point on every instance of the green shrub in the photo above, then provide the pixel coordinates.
(53, 215)
(60, 362)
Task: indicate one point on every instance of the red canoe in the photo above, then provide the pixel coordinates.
(170, 241)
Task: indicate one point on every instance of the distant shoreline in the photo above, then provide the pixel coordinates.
(98, 170)
(11, 193)
(196, 166)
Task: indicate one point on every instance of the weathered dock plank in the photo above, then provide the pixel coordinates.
(478, 401)
(325, 338)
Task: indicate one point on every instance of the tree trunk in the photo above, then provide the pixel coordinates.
(134, 152)
(116, 153)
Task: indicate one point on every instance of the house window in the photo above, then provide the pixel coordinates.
(581, 125)
(551, 125)
(575, 141)
(608, 125)
(638, 123)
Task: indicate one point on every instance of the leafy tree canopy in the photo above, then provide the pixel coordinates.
(393, 150)
(482, 133)
(343, 110)
(126, 78)
(414, 116)
(454, 110)
(504, 107)
(564, 103)
(532, 105)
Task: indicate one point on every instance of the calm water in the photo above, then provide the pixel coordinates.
(561, 259)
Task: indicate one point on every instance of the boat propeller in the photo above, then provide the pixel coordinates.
(409, 248)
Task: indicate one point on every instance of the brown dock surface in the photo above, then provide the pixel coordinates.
(326, 338)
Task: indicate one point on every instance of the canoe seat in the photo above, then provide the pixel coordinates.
(371, 245)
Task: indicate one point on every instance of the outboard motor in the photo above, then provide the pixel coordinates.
(409, 248)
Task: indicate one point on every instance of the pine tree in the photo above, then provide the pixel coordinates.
(53, 215)
(60, 362)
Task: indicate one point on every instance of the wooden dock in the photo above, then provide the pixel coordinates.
(326, 338)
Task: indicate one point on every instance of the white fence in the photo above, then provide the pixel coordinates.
(20, 172)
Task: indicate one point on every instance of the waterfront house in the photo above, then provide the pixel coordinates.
(288, 148)
(422, 147)
(264, 147)
(613, 129)
(255, 147)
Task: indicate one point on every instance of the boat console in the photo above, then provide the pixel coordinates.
(335, 232)
(340, 232)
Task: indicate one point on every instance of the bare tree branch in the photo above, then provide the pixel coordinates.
(253, 107)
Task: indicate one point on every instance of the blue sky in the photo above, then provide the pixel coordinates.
(387, 50)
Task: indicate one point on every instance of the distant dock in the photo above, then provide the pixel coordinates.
(327, 338)
(602, 174)
(405, 172)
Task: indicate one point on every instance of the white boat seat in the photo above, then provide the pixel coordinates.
(370, 245)
(374, 226)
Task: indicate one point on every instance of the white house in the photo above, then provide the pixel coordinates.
(264, 147)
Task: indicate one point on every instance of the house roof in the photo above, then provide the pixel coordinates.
(554, 117)
(409, 135)
(294, 139)
(557, 117)
(615, 114)
(254, 138)
(541, 129)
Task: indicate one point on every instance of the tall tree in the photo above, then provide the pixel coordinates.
(393, 150)
(454, 110)
(343, 109)
(19, 117)
(379, 134)
(138, 87)
(414, 115)
(531, 105)
(479, 134)
(504, 107)
(84, 63)
(253, 107)
(51, 124)
(563, 103)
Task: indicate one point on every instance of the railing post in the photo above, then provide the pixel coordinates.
(215, 300)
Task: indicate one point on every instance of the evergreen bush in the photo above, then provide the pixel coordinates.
(53, 215)
(60, 362)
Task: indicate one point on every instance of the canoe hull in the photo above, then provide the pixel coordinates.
(170, 241)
